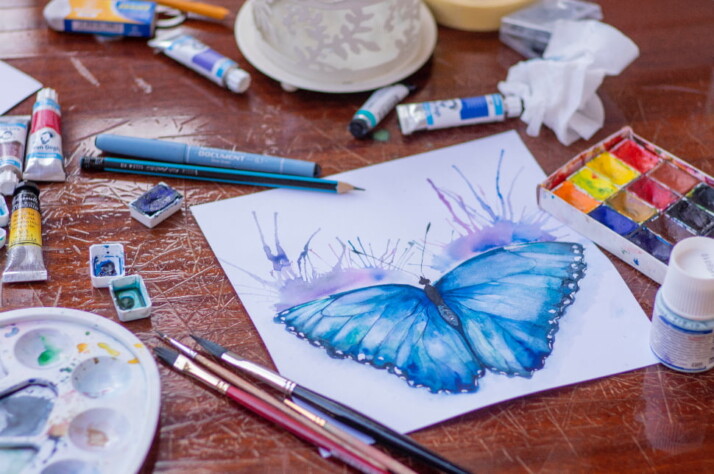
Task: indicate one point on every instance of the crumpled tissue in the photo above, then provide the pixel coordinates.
(560, 89)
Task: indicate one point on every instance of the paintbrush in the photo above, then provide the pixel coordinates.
(338, 411)
(330, 431)
(273, 411)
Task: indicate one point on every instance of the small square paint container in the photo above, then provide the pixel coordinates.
(106, 262)
(633, 199)
(130, 297)
(156, 205)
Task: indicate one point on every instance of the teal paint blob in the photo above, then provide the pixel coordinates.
(381, 135)
(13, 330)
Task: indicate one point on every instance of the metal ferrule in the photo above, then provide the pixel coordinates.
(268, 376)
(188, 366)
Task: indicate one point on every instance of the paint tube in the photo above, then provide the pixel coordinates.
(379, 104)
(102, 17)
(44, 160)
(13, 138)
(457, 112)
(24, 246)
(195, 55)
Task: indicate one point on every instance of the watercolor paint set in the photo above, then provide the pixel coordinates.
(78, 393)
(632, 198)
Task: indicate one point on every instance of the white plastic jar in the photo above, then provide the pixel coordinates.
(682, 334)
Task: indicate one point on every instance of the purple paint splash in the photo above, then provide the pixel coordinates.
(476, 225)
(479, 226)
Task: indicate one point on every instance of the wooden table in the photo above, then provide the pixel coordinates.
(652, 419)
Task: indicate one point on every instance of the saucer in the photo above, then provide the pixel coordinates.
(248, 37)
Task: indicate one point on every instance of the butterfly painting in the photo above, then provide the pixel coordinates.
(497, 311)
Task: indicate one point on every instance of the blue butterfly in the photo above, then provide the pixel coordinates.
(498, 311)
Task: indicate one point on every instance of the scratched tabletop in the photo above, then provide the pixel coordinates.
(651, 419)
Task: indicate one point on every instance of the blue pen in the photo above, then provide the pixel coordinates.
(172, 152)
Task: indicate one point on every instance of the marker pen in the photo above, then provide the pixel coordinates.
(457, 112)
(379, 104)
(195, 55)
(172, 152)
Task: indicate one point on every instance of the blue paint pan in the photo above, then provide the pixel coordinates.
(156, 205)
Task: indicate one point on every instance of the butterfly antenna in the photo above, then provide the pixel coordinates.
(423, 249)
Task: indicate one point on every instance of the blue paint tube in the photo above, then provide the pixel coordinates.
(457, 112)
(379, 104)
(195, 55)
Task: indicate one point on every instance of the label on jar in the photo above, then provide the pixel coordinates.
(682, 344)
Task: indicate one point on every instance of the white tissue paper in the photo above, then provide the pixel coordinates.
(560, 90)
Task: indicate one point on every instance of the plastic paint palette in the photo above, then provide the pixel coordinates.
(633, 199)
(78, 394)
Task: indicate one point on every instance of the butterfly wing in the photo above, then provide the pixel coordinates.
(392, 327)
(509, 300)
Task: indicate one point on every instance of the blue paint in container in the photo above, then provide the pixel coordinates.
(156, 205)
(613, 220)
(653, 244)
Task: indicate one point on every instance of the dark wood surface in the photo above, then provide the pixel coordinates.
(652, 419)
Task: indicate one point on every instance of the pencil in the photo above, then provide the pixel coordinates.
(210, 173)
(339, 435)
(204, 9)
(275, 412)
(338, 411)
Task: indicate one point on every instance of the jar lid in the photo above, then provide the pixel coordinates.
(688, 287)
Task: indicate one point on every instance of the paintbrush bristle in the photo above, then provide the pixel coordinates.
(166, 355)
(215, 349)
(161, 335)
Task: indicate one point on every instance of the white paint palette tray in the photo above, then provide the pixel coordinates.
(78, 394)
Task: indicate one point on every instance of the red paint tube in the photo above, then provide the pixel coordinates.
(44, 160)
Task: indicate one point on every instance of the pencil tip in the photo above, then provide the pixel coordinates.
(357, 189)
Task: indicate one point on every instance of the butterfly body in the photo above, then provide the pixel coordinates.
(498, 311)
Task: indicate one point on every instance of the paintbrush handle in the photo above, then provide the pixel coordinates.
(376, 430)
(300, 429)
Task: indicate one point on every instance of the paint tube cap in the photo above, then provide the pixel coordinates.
(8, 181)
(359, 127)
(237, 80)
(513, 105)
(688, 287)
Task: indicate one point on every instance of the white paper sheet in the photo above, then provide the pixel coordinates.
(16, 86)
(603, 332)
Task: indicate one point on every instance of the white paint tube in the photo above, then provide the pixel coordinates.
(24, 246)
(379, 104)
(44, 160)
(457, 112)
(13, 138)
(198, 57)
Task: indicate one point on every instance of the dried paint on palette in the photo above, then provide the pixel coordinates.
(642, 196)
(74, 397)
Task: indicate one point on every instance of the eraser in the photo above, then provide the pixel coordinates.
(156, 205)
(130, 297)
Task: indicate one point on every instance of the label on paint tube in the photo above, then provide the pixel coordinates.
(456, 112)
(195, 55)
(13, 137)
(44, 160)
(104, 17)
